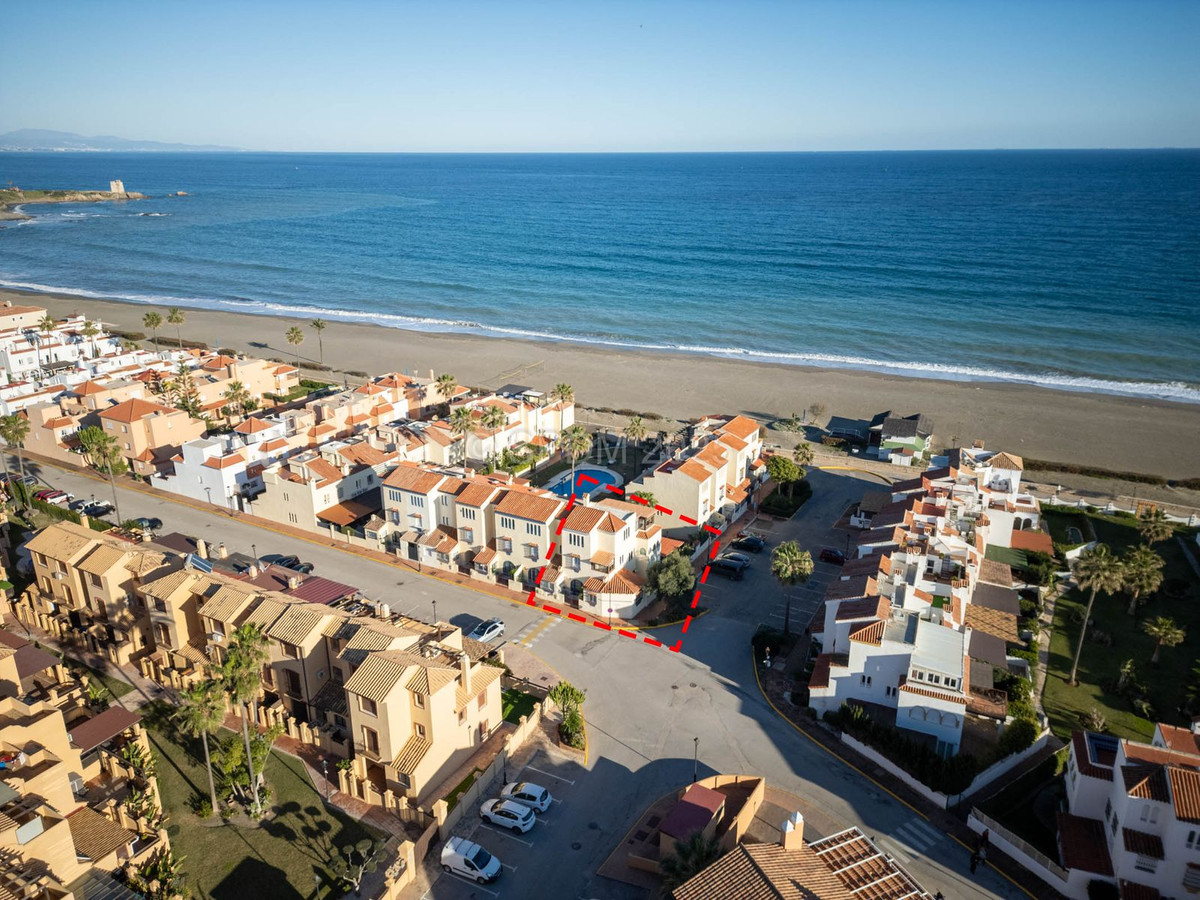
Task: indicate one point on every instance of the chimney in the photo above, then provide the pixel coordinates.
(464, 663)
(252, 571)
(1196, 725)
(201, 549)
(293, 582)
(222, 553)
(431, 375)
(84, 521)
(792, 832)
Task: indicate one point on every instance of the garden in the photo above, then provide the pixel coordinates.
(1131, 673)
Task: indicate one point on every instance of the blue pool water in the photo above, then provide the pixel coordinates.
(563, 487)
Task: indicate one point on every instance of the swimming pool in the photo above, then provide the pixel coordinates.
(562, 484)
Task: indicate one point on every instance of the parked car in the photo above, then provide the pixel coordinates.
(98, 509)
(79, 505)
(468, 859)
(44, 493)
(289, 561)
(730, 566)
(58, 498)
(508, 814)
(146, 523)
(837, 557)
(528, 794)
(487, 631)
(749, 542)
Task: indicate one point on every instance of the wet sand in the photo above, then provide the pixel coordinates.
(1121, 433)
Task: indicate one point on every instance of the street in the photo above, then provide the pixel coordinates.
(645, 706)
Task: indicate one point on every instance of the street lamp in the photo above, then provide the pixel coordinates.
(695, 758)
(254, 550)
(208, 491)
(435, 613)
(325, 770)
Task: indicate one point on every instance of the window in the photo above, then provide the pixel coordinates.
(291, 651)
(395, 496)
(468, 535)
(505, 544)
(367, 705)
(419, 701)
(935, 679)
(293, 683)
(95, 579)
(1145, 864)
(889, 690)
(1107, 810)
(370, 739)
(575, 540)
(479, 704)
(417, 502)
(534, 529)
(467, 514)
(507, 522)
(532, 551)
(951, 682)
(1192, 839)
(865, 679)
(420, 729)
(1149, 813)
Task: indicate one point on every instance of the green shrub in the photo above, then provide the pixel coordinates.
(1016, 737)
(202, 806)
(570, 730)
(1043, 465)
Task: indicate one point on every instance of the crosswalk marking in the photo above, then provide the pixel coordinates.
(531, 634)
(916, 836)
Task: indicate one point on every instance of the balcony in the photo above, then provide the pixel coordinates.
(989, 702)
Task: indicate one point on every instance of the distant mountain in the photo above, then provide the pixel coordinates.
(40, 139)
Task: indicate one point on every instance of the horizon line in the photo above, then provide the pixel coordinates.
(743, 152)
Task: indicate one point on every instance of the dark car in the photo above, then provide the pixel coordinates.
(288, 561)
(837, 557)
(97, 509)
(749, 542)
(146, 523)
(79, 505)
(730, 566)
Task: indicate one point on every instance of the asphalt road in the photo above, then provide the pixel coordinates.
(644, 706)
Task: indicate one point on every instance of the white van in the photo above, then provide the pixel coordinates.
(469, 860)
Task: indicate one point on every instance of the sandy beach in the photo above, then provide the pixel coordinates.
(1126, 434)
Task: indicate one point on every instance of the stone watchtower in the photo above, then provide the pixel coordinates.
(116, 187)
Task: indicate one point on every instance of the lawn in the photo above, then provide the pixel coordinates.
(277, 858)
(516, 704)
(117, 687)
(462, 787)
(1166, 683)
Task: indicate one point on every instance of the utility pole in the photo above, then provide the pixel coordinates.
(695, 758)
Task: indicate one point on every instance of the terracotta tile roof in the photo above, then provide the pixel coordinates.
(481, 677)
(993, 572)
(857, 586)
(1083, 844)
(409, 477)
(1181, 740)
(487, 554)
(346, 512)
(1143, 843)
(324, 470)
(820, 673)
(602, 558)
(266, 612)
(411, 754)
(670, 545)
(910, 688)
(227, 603)
(104, 726)
(252, 426)
(477, 494)
(428, 680)
(1006, 461)
(998, 624)
(135, 410)
(698, 806)
(297, 623)
(583, 518)
(740, 426)
(527, 505)
(224, 462)
(60, 541)
(730, 440)
(94, 835)
(1037, 541)
(376, 677)
(712, 454)
(695, 470)
(864, 608)
(101, 560)
(1101, 767)
(1146, 781)
(1185, 793)
(871, 633)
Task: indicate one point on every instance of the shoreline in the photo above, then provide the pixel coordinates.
(1123, 433)
(10, 209)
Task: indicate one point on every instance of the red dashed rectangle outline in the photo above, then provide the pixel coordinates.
(531, 598)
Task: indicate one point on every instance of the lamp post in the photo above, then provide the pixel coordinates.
(325, 771)
(208, 492)
(254, 550)
(435, 613)
(695, 758)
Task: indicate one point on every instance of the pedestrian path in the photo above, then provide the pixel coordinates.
(533, 632)
(912, 839)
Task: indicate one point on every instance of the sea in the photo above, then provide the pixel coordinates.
(1069, 269)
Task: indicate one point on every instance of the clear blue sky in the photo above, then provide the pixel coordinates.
(571, 75)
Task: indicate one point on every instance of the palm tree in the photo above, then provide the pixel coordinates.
(564, 394)
(461, 423)
(689, 859)
(186, 397)
(176, 317)
(14, 428)
(790, 565)
(636, 430)
(1154, 526)
(1096, 570)
(104, 452)
(89, 331)
(446, 383)
(202, 713)
(237, 398)
(1165, 633)
(153, 321)
(242, 676)
(295, 337)
(318, 325)
(1141, 569)
(575, 442)
(803, 454)
(651, 500)
(47, 325)
(493, 420)
(160, 877)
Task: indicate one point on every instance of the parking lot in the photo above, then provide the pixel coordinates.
(530, 859)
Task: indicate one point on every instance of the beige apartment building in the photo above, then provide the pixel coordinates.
(148, 433)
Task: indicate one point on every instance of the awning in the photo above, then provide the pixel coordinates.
(95, 731)
(346, 513)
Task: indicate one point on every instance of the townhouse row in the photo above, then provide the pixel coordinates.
(407, 701)
(918, 623)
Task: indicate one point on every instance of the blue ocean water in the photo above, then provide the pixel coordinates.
(1075, 269)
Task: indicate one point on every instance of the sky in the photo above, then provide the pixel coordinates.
(580, 76)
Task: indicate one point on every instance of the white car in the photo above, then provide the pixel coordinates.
(528, 794)
(508, 814)
(488, 631)
(468, 859)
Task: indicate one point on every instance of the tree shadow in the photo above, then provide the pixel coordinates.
(255, 878)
